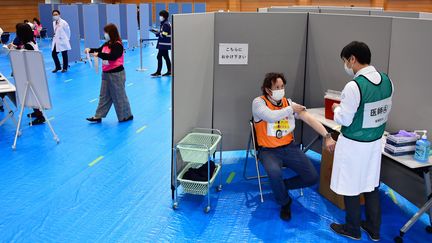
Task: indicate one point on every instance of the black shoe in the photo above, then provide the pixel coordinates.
(38, 121)
(340, 229)
(127, 119)
(285, 213)
(94, 119)
(1, 108)
(64, 70)
(372, 236)
(167, 74)
(55, 70)
(156, 74)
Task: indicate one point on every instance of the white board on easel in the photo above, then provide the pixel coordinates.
(31, 85)
(29, 66)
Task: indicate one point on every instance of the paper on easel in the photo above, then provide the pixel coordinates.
(96, 64)
(89, 60)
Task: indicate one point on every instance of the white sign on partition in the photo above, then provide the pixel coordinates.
(233, 53)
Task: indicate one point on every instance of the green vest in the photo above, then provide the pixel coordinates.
(375, 104)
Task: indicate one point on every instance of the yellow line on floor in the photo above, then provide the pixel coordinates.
(95, 161)
(141, 129)
(230, 177)
(50, 119)
(93, 100)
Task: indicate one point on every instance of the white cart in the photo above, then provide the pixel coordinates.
(197, 148)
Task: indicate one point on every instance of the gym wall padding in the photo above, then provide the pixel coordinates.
(45, 17)
(395, 14)
(235, 86)
(113, 16)
(328, 34)
(91, 27)
(186, 8)
(159, 7)
(192, 82)
(199, 8)
(70, 14)
(173, 8)
(102, 19)
(409, 69)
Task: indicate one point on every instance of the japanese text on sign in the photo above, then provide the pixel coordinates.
(233, 54)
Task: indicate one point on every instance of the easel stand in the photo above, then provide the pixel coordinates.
(18, 132)
(31, 86)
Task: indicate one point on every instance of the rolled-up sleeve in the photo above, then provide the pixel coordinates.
(260, 112)
(350, 101)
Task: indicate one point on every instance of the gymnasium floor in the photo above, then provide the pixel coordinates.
(110, 182)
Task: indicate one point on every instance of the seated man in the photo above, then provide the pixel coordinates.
(274, 120)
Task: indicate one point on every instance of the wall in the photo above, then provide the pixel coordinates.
(15, 11)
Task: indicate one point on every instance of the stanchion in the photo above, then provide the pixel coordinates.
(141, 69)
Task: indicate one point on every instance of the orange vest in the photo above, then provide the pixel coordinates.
(270, 135)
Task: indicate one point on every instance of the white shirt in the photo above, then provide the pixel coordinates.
(261, 111)
(350, 98)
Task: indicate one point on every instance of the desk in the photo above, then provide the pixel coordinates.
(7, 89)
(394, 170)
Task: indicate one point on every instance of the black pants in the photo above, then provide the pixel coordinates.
(56, 60)
(373, 212)
(165, 55)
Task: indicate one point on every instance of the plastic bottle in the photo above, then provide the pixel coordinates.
(422, 149)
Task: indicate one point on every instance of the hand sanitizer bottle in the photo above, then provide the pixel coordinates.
(422, 149)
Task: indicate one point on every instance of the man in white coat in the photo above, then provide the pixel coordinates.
(363, 112)
(60, 41)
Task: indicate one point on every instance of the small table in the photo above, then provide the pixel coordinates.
(7, 89)
(407, 163)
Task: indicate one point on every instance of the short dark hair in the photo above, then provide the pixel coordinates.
(55, 10)
(358, 49)
(164, 14)
(113, 33)
(270, 79)
(25, 33)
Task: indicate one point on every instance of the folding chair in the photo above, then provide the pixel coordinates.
(253, 152)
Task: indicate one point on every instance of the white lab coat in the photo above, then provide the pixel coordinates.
(356, 165)
(61, 36)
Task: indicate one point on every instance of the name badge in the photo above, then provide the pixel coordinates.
(376, 113)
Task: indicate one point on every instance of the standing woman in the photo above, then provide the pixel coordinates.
(113, 77)
(163, 44)
(37, 27)
(25, 34)
(60, 41)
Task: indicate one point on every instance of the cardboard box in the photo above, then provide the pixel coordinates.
(325, 176)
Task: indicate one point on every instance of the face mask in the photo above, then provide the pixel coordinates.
(56, 17)
(107, 38)
(349, 71)
(161, 18)
(278, 94)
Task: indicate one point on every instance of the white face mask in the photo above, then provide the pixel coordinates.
(106, 36)
(278, 94)
(56, 17)
(349, 71)
(161, 18)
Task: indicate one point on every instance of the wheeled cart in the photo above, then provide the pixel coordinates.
(195, 149)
